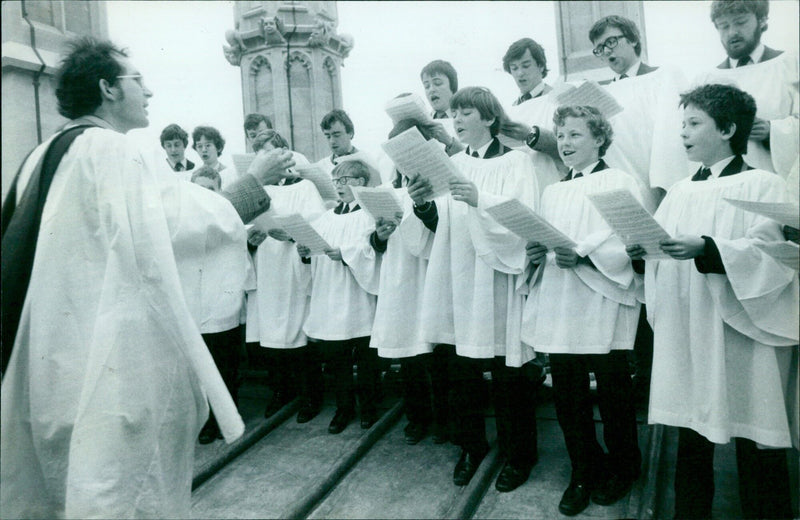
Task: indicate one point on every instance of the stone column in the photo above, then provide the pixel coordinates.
(290, 58)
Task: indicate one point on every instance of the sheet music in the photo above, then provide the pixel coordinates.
(590, 93)
(522, 220)
(242, 161)
(630, 221)
(413, 155)
(408, 107)
(378, 202)
(301, 231)
(321, 180)
(786, 213)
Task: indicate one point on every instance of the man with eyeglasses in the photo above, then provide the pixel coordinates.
(109, 380)
(769, 75)
(645, 143)
(618, 43)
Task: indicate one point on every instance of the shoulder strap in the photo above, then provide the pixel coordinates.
(20, 230)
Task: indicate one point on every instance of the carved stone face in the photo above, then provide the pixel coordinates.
(270, 25)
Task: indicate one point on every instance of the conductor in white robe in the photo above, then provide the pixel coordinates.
(108, 379)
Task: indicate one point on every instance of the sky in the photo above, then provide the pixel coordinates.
(178, 48)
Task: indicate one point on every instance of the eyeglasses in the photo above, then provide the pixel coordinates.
(344, 180)
(136, 77)
(610, 43)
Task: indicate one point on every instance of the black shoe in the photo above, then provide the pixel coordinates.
(510, 478)
(612, 490)
(368, 418)
(415, 432)
(274, 405)
(575, 499)
(340, 421)
(307, 412)
(440, 435)
(466, 467)
(209, 434)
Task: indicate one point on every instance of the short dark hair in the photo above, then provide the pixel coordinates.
(444, 68)
(726, 105)
(87, 61)
(251, 121)
(208, 172)
(760, 8)
(269, 136)
(172, 132)
(482, 100)
(625, 25)
(595, 120)
(352, 168)
(518, 48)
(337, 114)
(210, 133)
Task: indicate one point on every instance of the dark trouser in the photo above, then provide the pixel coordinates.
(574, 410)
(341, 356)
(226, 348)
(643, 351)
(514, 398)
(310, 372)
(763, 478)
(284, 369)
(426, 385)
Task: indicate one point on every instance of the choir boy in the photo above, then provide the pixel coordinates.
(725, 316)
(470, 299)
(208, 178)
(254, 124)
(440, 81)
(767, 74)
(582, 311)
(174, 141)
(532, 111)
(338, 129)
(396, 332)
(279, 306)
(344, 285)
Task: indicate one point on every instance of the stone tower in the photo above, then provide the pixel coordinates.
(290, 57)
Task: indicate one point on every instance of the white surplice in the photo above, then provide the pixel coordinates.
(107, 386)
(583, 310)
(647, 140)
(774, 86)
(725, 354)
(471, 298)
(342, 304)
(396, 332)
(278, 308)
(538, 111)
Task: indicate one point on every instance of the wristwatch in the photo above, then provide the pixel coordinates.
(533, 137)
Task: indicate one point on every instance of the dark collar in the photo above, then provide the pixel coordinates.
(600, 166)
(338, 209)
(496, 149)
(737, 165)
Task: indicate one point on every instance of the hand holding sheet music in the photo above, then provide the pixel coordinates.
(413, 155)
(630, 221)
(408, 107)
(522, 220)
(320, 179)
(378, 202)
(302, 233)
